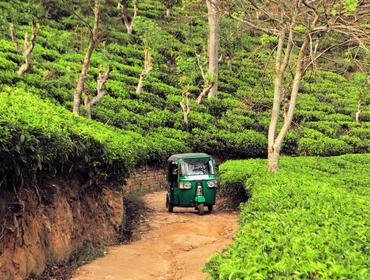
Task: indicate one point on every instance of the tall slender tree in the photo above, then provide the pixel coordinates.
(151, 35)
(213, 59)
(86, 62)
(297, 24)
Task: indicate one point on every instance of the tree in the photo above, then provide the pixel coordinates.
(13, 36)
(297, 24)
(148, 67)
(185, 106)
(213, 59)
(127, 18)
(89, 103)
(28, 46)
(208, 79)
(169, 4)
(362, 82)
(151, 36)
(186, 70)
(86, 62)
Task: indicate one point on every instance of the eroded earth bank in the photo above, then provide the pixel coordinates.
(171, 246)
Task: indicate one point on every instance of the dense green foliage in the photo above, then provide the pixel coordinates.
(40, 138)
(310, 220)
(232, 126)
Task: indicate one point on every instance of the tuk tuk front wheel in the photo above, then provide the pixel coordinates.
(169, 205)
(201, 209)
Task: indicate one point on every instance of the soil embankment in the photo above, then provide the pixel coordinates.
(172, 246)
(38, 230)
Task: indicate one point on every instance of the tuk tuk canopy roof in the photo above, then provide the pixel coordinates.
(187, 155)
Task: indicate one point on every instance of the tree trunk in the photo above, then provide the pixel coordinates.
(212, 6)
(273, 161)
(88, 106)
(357, 116)
(185, 106)
(126, 19)
(13, 35)
(277, 98)
(275, 148)
(168, 12)
(315, 65)
(102, 78)
(139, 86)
(86, 63)
(129, 29)
(27, 50)
(205, 91)
(148, 66)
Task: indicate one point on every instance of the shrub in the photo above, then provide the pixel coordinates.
(308, 221)
(359, 145)
(323, 146)
(337, 117)
(161, 89)
(7, 64)
(179, 135)
(40, 138)
(200, 120)
(309, 115)
(246, 144)
(362, 133)
(160, 118)
(235, 122)
(290, 143)
(217, 106)
(330, 129)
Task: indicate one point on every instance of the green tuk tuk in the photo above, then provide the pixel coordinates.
(192, 181)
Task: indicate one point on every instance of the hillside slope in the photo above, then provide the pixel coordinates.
(232, 126)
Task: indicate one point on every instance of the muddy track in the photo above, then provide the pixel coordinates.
(171, 246)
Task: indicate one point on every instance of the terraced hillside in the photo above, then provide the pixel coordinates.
(232, 126)
(309, 220)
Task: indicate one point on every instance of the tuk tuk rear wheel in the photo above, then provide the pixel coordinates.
(201, 209)
(210, 208)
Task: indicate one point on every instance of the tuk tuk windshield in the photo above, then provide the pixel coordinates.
(196, 166)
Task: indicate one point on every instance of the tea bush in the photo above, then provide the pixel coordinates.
(323, 146)
(308, 221)
(40, 138)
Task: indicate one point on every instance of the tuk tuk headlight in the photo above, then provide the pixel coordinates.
(186, 185)
(211, 184)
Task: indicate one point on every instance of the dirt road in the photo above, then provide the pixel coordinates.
(176, 246)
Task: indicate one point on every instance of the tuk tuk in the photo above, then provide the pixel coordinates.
(192, 182)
